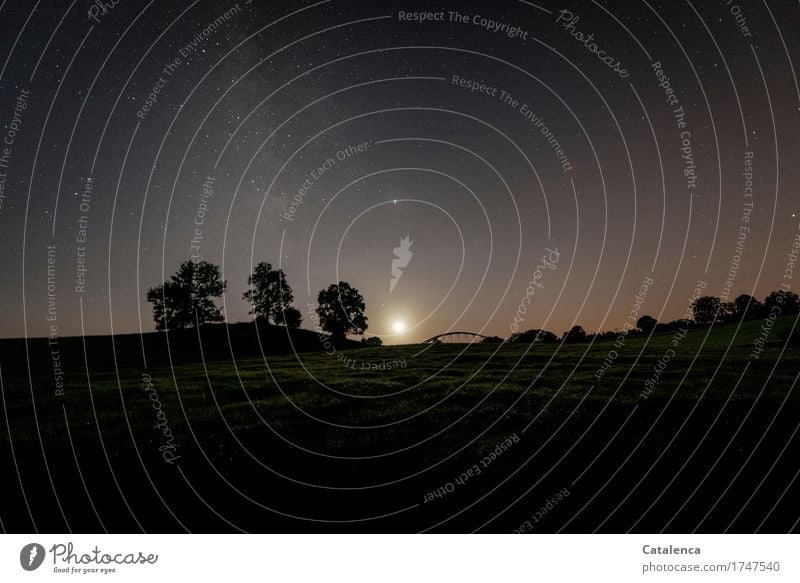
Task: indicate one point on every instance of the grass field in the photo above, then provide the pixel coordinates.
(325, 442)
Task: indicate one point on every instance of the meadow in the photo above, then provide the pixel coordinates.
(377, 439)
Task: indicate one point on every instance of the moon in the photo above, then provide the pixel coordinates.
(399, 326)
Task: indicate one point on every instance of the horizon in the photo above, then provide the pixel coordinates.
(352, 337)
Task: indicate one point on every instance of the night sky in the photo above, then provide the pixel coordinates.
(317, 136)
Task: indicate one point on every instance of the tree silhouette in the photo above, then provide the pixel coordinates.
(705, 309)
(786, 303)
(747, 307)
(341, 310)
(646, 324)
(271, 296)
(186, 299)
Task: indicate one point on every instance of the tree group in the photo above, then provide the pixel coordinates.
(708, 309)
(186, 300)
(705, 310)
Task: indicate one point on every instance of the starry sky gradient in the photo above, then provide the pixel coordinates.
(278, 89)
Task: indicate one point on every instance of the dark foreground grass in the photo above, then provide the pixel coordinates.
(383, 439)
